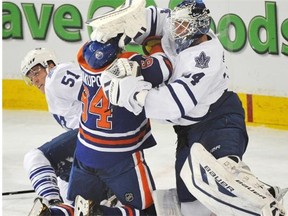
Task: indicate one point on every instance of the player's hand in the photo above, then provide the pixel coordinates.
(123, 92)
(120, 68)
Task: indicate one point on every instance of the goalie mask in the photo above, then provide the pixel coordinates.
(98, 55)
(34, 57)
(189, 20)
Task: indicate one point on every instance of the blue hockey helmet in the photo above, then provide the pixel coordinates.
(189, 20)
(98, 55)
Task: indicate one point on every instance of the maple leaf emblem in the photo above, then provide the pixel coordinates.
(202, 60)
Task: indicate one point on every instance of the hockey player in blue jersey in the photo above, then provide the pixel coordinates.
(111, 140)
(211, 176)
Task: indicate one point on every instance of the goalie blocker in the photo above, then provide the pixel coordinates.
(227, 187)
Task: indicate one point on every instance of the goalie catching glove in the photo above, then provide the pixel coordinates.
(123, 86)
(129, 19)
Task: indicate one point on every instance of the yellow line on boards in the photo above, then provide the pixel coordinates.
(269, 111)
(17, 95)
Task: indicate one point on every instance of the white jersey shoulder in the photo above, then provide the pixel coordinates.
(63, 91)
(204, 58)
(199, 78)
(156, 19)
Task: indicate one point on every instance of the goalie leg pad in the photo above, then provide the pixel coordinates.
(223, 188)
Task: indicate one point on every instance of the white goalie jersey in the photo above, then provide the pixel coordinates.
(63, 89)
(185, 104)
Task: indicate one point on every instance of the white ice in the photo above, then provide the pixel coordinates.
(267, 155)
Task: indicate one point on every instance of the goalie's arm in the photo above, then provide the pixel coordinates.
(155, 21)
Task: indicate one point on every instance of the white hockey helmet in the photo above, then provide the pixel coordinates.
(189, 20)
(34, 57)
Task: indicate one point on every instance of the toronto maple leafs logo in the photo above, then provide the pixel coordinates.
(202, 60)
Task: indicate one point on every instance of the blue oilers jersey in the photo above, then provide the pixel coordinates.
(109, 134)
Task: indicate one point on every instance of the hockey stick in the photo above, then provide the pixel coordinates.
(17, 192)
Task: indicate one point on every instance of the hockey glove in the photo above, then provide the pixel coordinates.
(125, 92)
(118, 69)
(123, 67)
(128, 19)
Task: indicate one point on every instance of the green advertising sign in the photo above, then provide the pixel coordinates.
(67, 22)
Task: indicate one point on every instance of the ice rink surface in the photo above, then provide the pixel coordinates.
(267, 155)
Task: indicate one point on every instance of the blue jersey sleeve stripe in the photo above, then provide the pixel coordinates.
(173, 94)
(188, 90)
(153, 22)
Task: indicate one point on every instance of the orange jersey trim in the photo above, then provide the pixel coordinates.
(144, 180)
(112, 142)
(129, 210)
